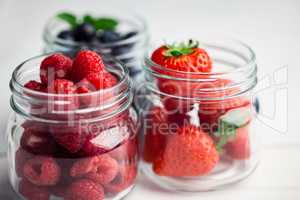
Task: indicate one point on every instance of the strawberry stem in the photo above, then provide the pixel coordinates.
(180, 49)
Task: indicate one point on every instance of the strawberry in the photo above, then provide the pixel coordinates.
(56, 66)
(86, 62)
(183, 57)
(233, 133)
(190, 152)
(239, 147)
(156, 133)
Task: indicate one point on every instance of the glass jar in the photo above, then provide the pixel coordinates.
(57, 148)
(198, 129)
(130, 51)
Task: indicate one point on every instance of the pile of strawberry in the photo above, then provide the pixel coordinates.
(76, 161)
(186, 137)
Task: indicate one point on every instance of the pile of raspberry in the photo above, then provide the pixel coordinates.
(68, 161)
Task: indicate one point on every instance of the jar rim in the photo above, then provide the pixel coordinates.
(16, 83)
(142, 32)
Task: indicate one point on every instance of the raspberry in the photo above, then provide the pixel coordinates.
(32, 192)
(21, 158)
(101, 169)
(62, 103)
(101, 80)
(37, 140)
(61, 86)
(191, 152)
(34, 85)
(86, 62)
(124, 179)
(71, 138)
(42, 171)
(84, 189)
(56, 66)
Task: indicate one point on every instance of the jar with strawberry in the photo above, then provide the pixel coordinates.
(198, 118)
(119, 35)
(72, 133)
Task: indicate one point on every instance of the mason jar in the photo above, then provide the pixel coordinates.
(198, 129)
(57, 148)
(129, 51)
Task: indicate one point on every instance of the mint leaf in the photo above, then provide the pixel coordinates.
(105, 24)
(237, 117)
(89, 19)
(69, 18)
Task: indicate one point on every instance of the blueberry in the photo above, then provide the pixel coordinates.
(84, 32)
(256, 104)
(120, 50)
(109, 36)
(129, 35)
(66, 35)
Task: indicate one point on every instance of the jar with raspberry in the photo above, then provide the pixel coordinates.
(72, 133)
(198, 118)
(120, 35)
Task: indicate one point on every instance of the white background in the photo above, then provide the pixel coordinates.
(270, 27)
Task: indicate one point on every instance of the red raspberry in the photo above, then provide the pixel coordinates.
(191, 152)
(37, 140)
(21, 158)
(42, 171)
(32, 192)
(84, 189)
(61, 86)
(86, 62)
(56, 66)
(124, 179)
(34, 85)
(101, 169)
(101, 80)
(71, 138)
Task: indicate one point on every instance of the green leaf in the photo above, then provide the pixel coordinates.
(69, 18)
(237, 117)
(105, 24)
(89, 19)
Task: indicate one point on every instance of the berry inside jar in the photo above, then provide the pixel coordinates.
(198, 124)
(122, 37)
(75, 133)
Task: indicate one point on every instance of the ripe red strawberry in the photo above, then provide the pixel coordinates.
(239, 147)
(33, 192)
(156, 130)
(84, 189)
(101, 169)
(86, 62)
(183, 57)
(191, 152)
(56, 66)
(42, 171)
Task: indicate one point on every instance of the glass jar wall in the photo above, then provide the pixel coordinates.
(198, 129)
(60, 149)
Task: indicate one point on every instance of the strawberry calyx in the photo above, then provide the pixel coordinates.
(183, 48)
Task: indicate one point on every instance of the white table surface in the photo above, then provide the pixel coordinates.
(271, 27)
